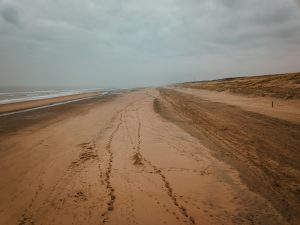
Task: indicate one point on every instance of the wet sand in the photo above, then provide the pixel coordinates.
(140, 158)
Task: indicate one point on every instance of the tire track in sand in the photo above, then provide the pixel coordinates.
(109, 188)
(89, 151)
(139, 158)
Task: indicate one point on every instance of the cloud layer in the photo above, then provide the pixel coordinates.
(144, 42)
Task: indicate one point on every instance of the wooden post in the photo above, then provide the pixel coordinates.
(272, 104)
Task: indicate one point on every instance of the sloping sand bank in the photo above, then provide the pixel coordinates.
(263, 149)
(285, 109)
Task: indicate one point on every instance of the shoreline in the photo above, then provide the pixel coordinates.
(17, 107)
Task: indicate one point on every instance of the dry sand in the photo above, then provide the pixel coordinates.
(139, 158)
(283, 109)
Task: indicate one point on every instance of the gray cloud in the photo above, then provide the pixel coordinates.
(141, 42)
(10, 14)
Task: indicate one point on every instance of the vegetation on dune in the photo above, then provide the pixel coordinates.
(280, 85)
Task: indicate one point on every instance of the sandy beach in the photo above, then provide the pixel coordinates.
(151, 156)
(150, 112)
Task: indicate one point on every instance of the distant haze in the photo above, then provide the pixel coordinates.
(127, 43)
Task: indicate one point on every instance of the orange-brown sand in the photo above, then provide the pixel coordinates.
(126, 159)
(286, 109)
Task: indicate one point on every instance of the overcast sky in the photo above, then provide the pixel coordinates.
(125, 43)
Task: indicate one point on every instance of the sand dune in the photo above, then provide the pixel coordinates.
(285, 86)
(149, 157)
